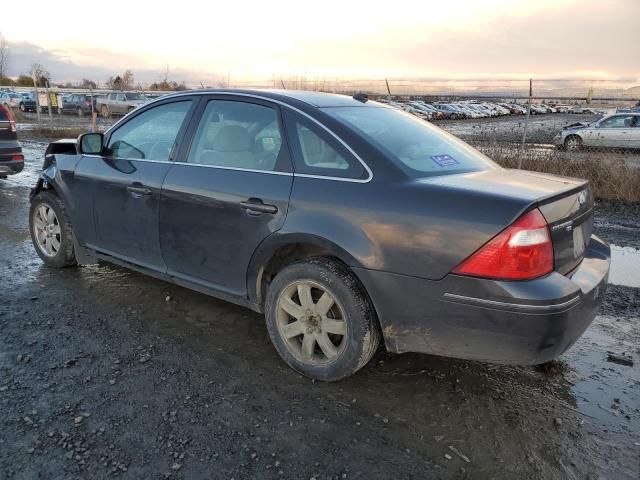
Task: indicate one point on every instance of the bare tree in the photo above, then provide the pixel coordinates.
(127, 80)
(39, 74)
(88, 84)
(121, 82)
(4, 55)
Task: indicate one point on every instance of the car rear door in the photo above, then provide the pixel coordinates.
(228, 192)
(124, 184)
(614, 131)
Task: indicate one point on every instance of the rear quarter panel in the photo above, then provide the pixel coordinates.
(405, 227)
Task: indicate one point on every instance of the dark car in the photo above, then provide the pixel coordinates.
(11, 157)
(79, 103)
(27, 102)
(343, 220)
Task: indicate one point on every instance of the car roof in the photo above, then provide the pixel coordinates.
(315, 99)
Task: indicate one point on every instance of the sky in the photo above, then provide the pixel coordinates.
(259, 40)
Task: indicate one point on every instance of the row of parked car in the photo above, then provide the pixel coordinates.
(25, 101)
(475, 109)
(114, 103)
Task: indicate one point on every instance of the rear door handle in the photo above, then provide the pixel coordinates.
(256, 205)
(139, 190)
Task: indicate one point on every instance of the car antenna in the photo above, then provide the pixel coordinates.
(361, 97)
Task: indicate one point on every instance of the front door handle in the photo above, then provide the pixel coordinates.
(138, 190)
(256, 205)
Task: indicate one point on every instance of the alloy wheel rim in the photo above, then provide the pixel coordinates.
(47, 231)
(311, 322)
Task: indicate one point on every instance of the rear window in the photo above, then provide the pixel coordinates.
(416, 146)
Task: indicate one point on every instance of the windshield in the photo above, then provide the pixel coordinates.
(416, 146)
(134, 96)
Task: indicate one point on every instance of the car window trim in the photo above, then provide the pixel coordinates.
(179, 136)
(194, 124)
(306, 115)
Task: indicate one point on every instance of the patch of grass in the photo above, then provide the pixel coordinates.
(51, 133)
(610, 176)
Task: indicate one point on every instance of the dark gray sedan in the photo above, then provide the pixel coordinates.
(341, 219)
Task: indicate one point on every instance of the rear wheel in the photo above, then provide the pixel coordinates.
(321, 320)
(104, 111)
(51, 231)
(573, 143)
(22, 107)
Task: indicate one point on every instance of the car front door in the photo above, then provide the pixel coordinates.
(634, 136)
(124, 184)
(228, 192)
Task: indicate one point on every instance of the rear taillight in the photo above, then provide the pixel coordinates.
(12, 126)
(18, 157)
(522, 251)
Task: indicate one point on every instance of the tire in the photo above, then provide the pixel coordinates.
(63, 255)
(572, 143)
(349, 323)
(104, 112)
(22, 107)
(80, 112)
(454, 116)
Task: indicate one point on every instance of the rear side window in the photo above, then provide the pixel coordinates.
(316, 152)
(151, 134)
(416, 146)
(619, 121)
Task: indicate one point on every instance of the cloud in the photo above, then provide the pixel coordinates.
(93, 63)
(576, 39)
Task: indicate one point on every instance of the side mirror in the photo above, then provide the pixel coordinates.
(91, 143)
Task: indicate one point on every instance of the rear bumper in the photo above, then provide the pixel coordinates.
(8, 166)
(523, 322)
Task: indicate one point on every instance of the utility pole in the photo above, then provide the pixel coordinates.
(37, 95)
(388, 89)
(526, 124)
(49, 102)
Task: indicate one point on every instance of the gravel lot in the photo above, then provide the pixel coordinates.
(107, 373)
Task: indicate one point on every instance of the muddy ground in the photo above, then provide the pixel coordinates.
(105, 373)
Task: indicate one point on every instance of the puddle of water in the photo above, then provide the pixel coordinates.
(605, 391)
(625, 266)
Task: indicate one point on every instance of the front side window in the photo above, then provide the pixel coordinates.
(235, 134)
(619, 121)
(416, 146)
(151, 134)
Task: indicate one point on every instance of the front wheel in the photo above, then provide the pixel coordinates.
(573, 143)
(321, 320)
(51, 231)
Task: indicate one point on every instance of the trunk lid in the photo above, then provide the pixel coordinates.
(570, 219)
(566, 203)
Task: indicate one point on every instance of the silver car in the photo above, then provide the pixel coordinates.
(613, 131)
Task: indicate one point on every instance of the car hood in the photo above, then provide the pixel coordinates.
(576, 126)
